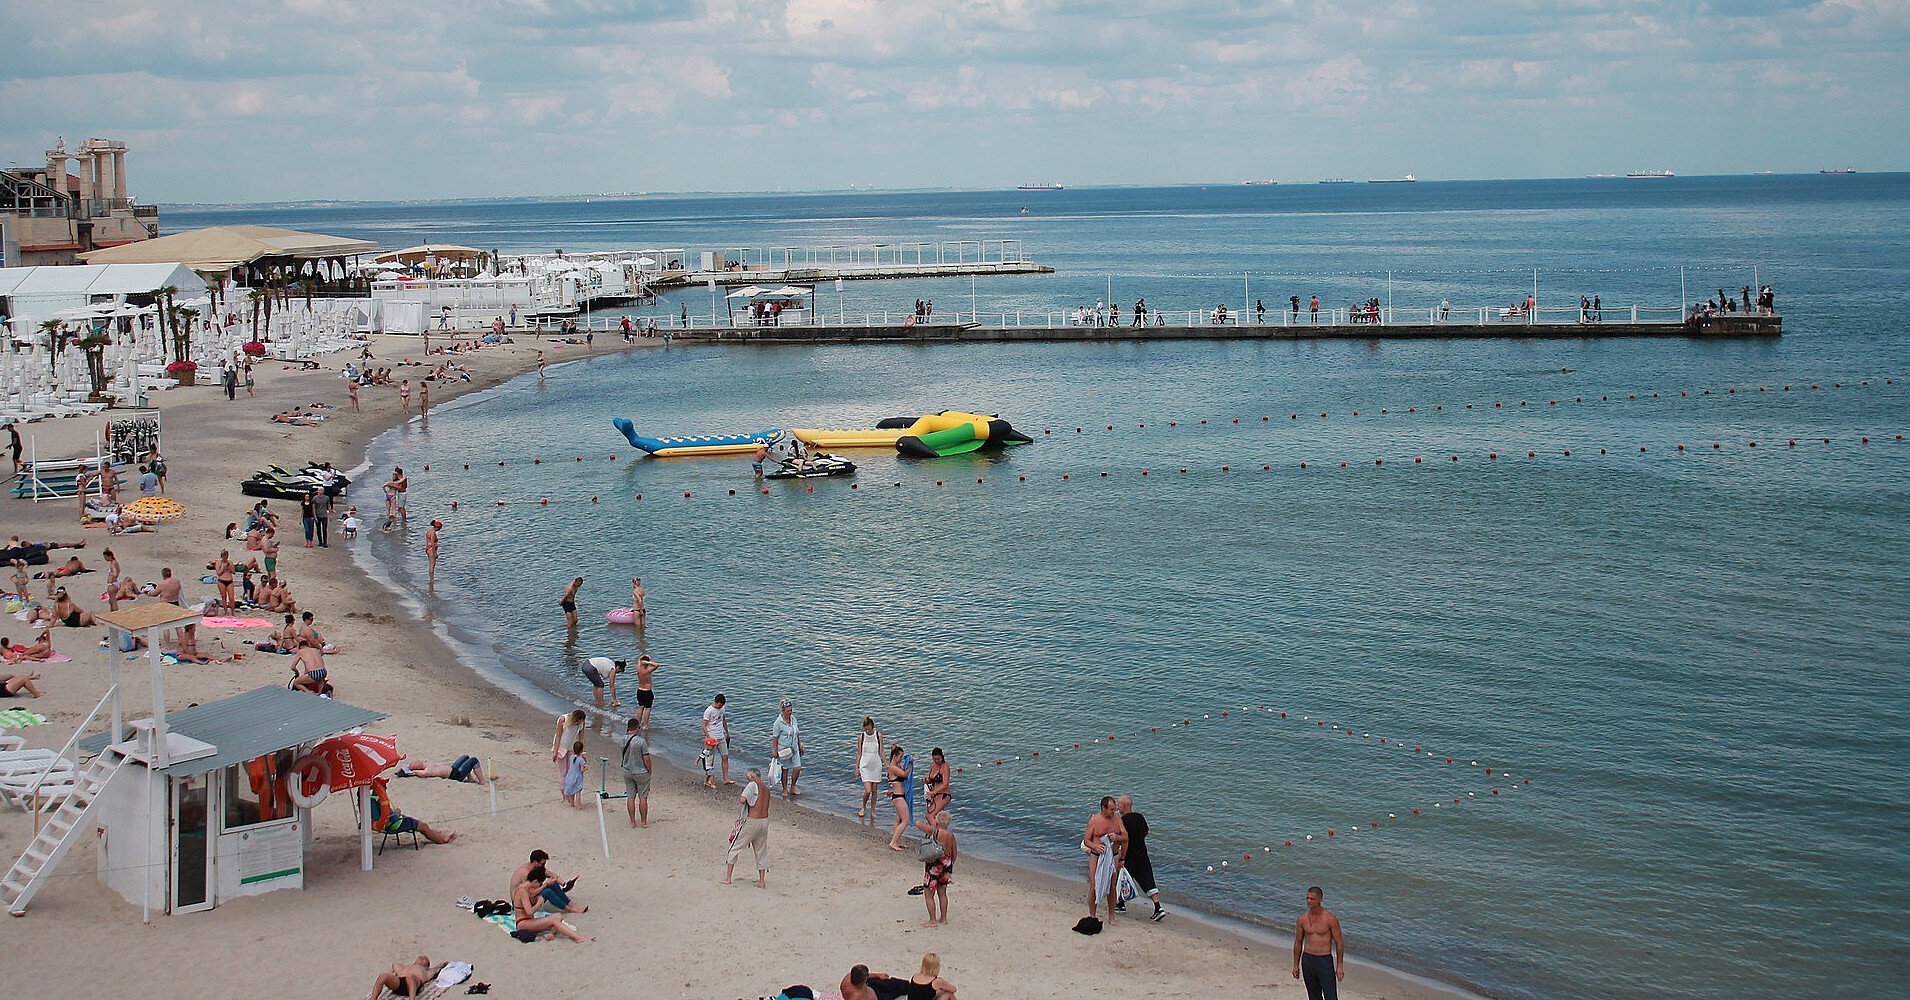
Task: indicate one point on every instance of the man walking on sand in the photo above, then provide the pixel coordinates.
(754, 833)
(716, 740)
(646, 697)
(1319, 952)
(636, 775)
(1104, 840)
(568, 602)
(1136, 861)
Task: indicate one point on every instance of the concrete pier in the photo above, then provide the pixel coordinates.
(1734, 326)
(814, 275)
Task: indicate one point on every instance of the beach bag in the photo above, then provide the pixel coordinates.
(775, 770)
(928, 851)
(1124, 887)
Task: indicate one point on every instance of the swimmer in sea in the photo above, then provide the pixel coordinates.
(569, 601)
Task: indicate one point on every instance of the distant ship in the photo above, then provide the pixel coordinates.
(1650, 174)
(1336, 180)
(1258, 183)
(1039, 187)
(1408, 179)
(1840, 173)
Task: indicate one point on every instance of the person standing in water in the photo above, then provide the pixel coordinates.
(637, 612)
(646, 697)
(431, 552)
(568, 602)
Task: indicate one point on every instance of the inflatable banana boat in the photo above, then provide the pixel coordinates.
(936, 435)
(673, 447)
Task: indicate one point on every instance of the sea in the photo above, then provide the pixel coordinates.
(1568, 667)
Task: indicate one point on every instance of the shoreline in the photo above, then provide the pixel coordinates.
(426, 688)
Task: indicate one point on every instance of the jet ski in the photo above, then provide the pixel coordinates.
(275, 482)
(815, 467)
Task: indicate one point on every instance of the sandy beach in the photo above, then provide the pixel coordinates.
(663, 925)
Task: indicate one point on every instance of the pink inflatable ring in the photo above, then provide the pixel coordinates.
(621, 616)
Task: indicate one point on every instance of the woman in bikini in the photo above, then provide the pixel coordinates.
(936, 784)
(898, 795)
(222, 573)
(524, 904)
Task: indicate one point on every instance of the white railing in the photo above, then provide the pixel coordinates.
(65, 754)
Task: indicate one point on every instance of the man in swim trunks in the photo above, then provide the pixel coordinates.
(1104, 840)
(167, 589)
(465, 768)
(637, 611)
(756, 460)
(569, 601)
(646, 697)
(601, 672)
(308, 668)
(1319, 952)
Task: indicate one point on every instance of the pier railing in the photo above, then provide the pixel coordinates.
(1473, 316)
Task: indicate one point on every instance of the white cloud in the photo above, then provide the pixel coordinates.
(1430, 82)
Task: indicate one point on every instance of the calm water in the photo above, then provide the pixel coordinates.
(1696, 658)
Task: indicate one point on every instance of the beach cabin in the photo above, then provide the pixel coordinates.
(191, 808)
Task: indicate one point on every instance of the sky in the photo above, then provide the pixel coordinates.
(277, 100)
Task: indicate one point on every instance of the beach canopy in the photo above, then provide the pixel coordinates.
(792, 292)
(442, 251)
(222, 248)
(746, 292)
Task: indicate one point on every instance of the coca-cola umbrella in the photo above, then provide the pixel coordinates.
(339, 764)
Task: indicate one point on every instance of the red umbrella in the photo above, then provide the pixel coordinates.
(342, 763)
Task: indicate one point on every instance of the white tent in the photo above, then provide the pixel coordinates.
(37, 293)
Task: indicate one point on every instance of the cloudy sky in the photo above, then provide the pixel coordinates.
(302, 99)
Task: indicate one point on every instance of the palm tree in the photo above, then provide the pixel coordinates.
(95, 347)
(258, 299)
(163, 298)
(182, 341)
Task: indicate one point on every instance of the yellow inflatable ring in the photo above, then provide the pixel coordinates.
(153, 509)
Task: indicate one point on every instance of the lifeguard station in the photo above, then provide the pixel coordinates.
(190, 809)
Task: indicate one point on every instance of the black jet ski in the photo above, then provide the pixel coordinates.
(815, 467)
(275, 482)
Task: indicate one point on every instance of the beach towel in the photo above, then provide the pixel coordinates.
(908, 785)
(20, 718)
(222, 622)
(1104, 867)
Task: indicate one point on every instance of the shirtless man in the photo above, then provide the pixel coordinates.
(636, 602)
(756, 461)
(399, 485)
(755, 832)
(308, 668)
(539, 859)
(403, 980)
(431, 552)
(167, 589)
(1105, 839)
(1319, 952)
(569, 601)
(646, 667)
(71, 567)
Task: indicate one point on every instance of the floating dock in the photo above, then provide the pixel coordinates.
(1732, 326)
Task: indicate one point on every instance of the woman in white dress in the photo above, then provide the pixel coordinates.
(868, 764)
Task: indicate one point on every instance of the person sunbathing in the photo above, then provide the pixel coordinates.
(40, 652)
(525, 900)
(287, 418)
(187, 650)
(13, 685)
(403, 980)
(465, 768)
(69, 614)
(71, 567)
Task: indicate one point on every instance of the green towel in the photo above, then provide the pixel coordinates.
(20, 718)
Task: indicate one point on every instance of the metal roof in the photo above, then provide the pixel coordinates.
(253, 724)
